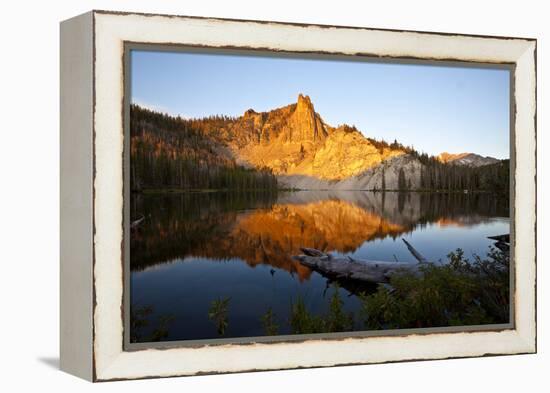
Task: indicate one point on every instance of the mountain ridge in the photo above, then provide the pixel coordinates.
(296, 146)
(295, 140)
(468, 159)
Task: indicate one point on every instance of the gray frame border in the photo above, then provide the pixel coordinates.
(255, 52)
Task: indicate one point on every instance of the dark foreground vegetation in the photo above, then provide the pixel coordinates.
(458, 293)
(461, 292)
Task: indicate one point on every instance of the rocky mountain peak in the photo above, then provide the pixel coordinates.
(305, 125)
(304, 104)
(446, 157)
(466, 159)
(249, 113)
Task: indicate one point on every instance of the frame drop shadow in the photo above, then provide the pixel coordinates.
(52, 362)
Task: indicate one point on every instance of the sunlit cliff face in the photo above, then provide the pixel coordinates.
(272, 236)
(294, 140)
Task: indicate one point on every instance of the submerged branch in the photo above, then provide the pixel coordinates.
(415, 253)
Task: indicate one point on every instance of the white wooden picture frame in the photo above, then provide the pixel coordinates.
(92, 195)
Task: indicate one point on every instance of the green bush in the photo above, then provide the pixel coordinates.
(461, 292)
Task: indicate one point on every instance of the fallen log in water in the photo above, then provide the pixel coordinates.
(362, 270)
(371, 271)
(501, 238)
(502, 242)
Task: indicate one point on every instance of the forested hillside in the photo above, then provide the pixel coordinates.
(291, 147)
(171, 152)
(436, 175)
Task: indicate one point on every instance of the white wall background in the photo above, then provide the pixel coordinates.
(29, 197)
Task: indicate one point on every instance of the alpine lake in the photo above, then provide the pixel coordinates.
(198, 257)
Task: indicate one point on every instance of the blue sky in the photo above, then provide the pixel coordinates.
(433, 108)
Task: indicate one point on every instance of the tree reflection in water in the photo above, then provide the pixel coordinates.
(264, 230)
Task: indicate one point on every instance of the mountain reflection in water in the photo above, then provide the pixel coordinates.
(193, 248)
(268, 229)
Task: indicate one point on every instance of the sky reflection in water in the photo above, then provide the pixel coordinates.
(196, 248)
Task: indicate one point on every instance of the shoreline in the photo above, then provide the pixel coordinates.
(259, 190)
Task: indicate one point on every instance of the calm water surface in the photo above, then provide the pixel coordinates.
(195, 248)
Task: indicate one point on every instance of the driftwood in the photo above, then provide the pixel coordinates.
(500, 238)
(362, 270)
(378, 272)
(502, 242)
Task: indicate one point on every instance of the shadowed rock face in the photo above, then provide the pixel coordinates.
(382, 174)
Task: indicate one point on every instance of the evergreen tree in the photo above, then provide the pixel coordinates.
(171, 152)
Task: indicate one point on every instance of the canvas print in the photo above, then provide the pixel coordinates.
(275, 195)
